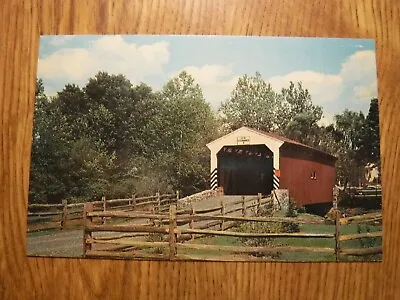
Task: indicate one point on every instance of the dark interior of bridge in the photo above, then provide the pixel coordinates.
(245, 169)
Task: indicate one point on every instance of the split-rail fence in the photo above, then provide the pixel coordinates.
(171, 232)
(60, 216)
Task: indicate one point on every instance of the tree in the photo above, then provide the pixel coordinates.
(252, 103)
(49, 148)
(369, 150)
(350, 124)
(111, 138)
(290, 113)
(67, 161)
(187, 124)
(297, 116)
(304, 129)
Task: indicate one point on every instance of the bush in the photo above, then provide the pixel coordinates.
(157, 237)
(291, 213)
(260, 227)
(301, 210)
(369, 242)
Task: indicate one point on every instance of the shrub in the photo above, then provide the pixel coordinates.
(260, 227)
(257, 227)
(291, 213)
(157, 237)
(301, 210)
(368, 242)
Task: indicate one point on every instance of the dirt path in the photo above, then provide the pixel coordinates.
(68, 243)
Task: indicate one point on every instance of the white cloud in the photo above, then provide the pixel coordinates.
(322, 87)
(216, 81)
(359, 66)
(327, 119)
(108, 53)
(363, 92)
(356, 80)
(359, 71)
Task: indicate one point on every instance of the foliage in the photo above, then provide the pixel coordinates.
(291, 112)
(368, 242)
(157, 237)
(115, 139)
(112, 138)
(252, 103)
(188, 124)
(369, 150)
(299, 116)
(352, 138)
(301, 209)
(291, 213)
(260, 227)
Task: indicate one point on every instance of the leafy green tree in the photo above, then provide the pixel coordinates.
(291, 113)
(252, 103)
(187, 124)
(67, 162)
(350, 124)
(49, 149)
(297, 116)
(304, 129)
(369, 150)
(110, 97)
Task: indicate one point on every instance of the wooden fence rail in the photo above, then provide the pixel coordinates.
(54, 216)
(175, 225)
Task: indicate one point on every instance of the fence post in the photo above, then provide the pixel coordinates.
(337, 235)
(158, 198)
(191, 224)
(222, 214)
(259, 202)
(87, 220)
(64, 214)
(243, 207)
(134, 201)
(103, 199)
(172, 236)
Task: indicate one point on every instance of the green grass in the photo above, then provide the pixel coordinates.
(328, 243)
(300, 242)
(212, 240)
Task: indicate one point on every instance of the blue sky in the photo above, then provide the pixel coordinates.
(339, 73)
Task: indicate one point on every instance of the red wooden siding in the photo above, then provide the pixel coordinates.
(296, 176)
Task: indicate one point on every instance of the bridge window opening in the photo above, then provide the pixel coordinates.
(245, 169)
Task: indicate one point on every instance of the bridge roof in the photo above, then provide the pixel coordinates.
(273, 136)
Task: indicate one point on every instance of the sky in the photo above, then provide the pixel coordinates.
(339, 73)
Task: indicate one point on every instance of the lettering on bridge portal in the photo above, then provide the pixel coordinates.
(243, 140)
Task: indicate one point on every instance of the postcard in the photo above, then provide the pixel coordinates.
(207, 148)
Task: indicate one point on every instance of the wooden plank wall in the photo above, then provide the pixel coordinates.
(21, 21)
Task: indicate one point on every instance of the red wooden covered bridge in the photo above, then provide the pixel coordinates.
(248, 161)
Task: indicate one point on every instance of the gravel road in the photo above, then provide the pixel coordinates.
(68, 243)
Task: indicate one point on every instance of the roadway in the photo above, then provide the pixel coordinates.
(69, 242)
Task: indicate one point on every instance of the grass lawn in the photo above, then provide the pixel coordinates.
(302, 242)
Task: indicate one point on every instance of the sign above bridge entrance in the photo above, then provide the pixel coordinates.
(243, 140)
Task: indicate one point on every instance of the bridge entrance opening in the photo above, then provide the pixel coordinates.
(245, 169)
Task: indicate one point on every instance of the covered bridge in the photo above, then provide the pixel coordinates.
(248, 161)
